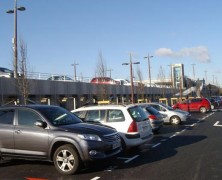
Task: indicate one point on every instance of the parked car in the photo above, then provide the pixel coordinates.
(7, 73)
(214, 103)
(172, 116)
(104, 80)
(156, 119)
(123, 82)
(60, 78)
(217, 99)
(42, 132)
(129, 120)
(195, 105)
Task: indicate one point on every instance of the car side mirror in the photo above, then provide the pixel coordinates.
(40, 123)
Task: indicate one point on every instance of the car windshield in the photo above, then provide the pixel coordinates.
(58, 116)
(167, 107)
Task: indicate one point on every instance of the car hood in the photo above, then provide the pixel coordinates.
(88, 128)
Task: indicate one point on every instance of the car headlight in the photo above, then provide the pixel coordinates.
(90, 137)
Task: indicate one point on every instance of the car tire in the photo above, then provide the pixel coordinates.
(66, 160)
(175, 120)
(203, 110)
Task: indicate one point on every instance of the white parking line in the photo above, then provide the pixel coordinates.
(134, 157)
(110, 168)
(172, 136)
(95, 178)
(156, 145)
(216, 124)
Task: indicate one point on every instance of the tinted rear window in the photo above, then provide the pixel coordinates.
(137, 113)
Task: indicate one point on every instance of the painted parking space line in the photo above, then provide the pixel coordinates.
(128, 159)
(134, 157)
(156, 145)
(111, 168)
(217, 124)
(205, 117)
(95, 178)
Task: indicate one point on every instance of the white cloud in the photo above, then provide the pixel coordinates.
(199, 53)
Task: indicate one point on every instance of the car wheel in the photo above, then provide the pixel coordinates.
(203, 110)
(175, 120)
(66, 160)
(212, 106)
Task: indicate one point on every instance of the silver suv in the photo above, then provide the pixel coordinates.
(130, 121)
(54, 134)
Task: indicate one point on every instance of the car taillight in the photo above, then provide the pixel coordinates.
(152, 117)
(133, 127)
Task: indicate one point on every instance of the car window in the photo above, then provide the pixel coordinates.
(27, 118)
(6, 116)
(137, 113)
(95, 115)
(80, 114)
(115, 115)
(58, 116)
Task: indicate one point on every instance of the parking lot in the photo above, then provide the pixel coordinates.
(20, 169)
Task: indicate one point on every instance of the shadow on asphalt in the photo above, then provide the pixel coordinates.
(164, 151)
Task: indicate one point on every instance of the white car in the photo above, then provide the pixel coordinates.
(130, 121)
(4, 72)
(173, 116)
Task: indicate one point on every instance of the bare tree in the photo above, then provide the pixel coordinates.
(162, 79)
(101, 67)
(23, 84)
(101, 70)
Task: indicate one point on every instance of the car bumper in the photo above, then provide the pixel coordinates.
(156, 124)
(132, 140)
(99, 150)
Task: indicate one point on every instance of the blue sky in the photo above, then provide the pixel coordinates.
(60, 32)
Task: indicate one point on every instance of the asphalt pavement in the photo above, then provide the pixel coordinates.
(190, 151)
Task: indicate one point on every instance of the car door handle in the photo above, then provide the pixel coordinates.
(18, 131)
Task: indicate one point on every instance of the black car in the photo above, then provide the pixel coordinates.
(53, 133)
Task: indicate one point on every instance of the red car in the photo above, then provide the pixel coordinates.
(103, 80)
(196, 104)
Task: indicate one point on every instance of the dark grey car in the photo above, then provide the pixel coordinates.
(54, 134)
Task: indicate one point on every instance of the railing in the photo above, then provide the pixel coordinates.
(47, 76)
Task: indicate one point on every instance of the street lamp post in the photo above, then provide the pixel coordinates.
(131, 76)
(193, 71)
(75, 64)
(15, 36)
(149, 71)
